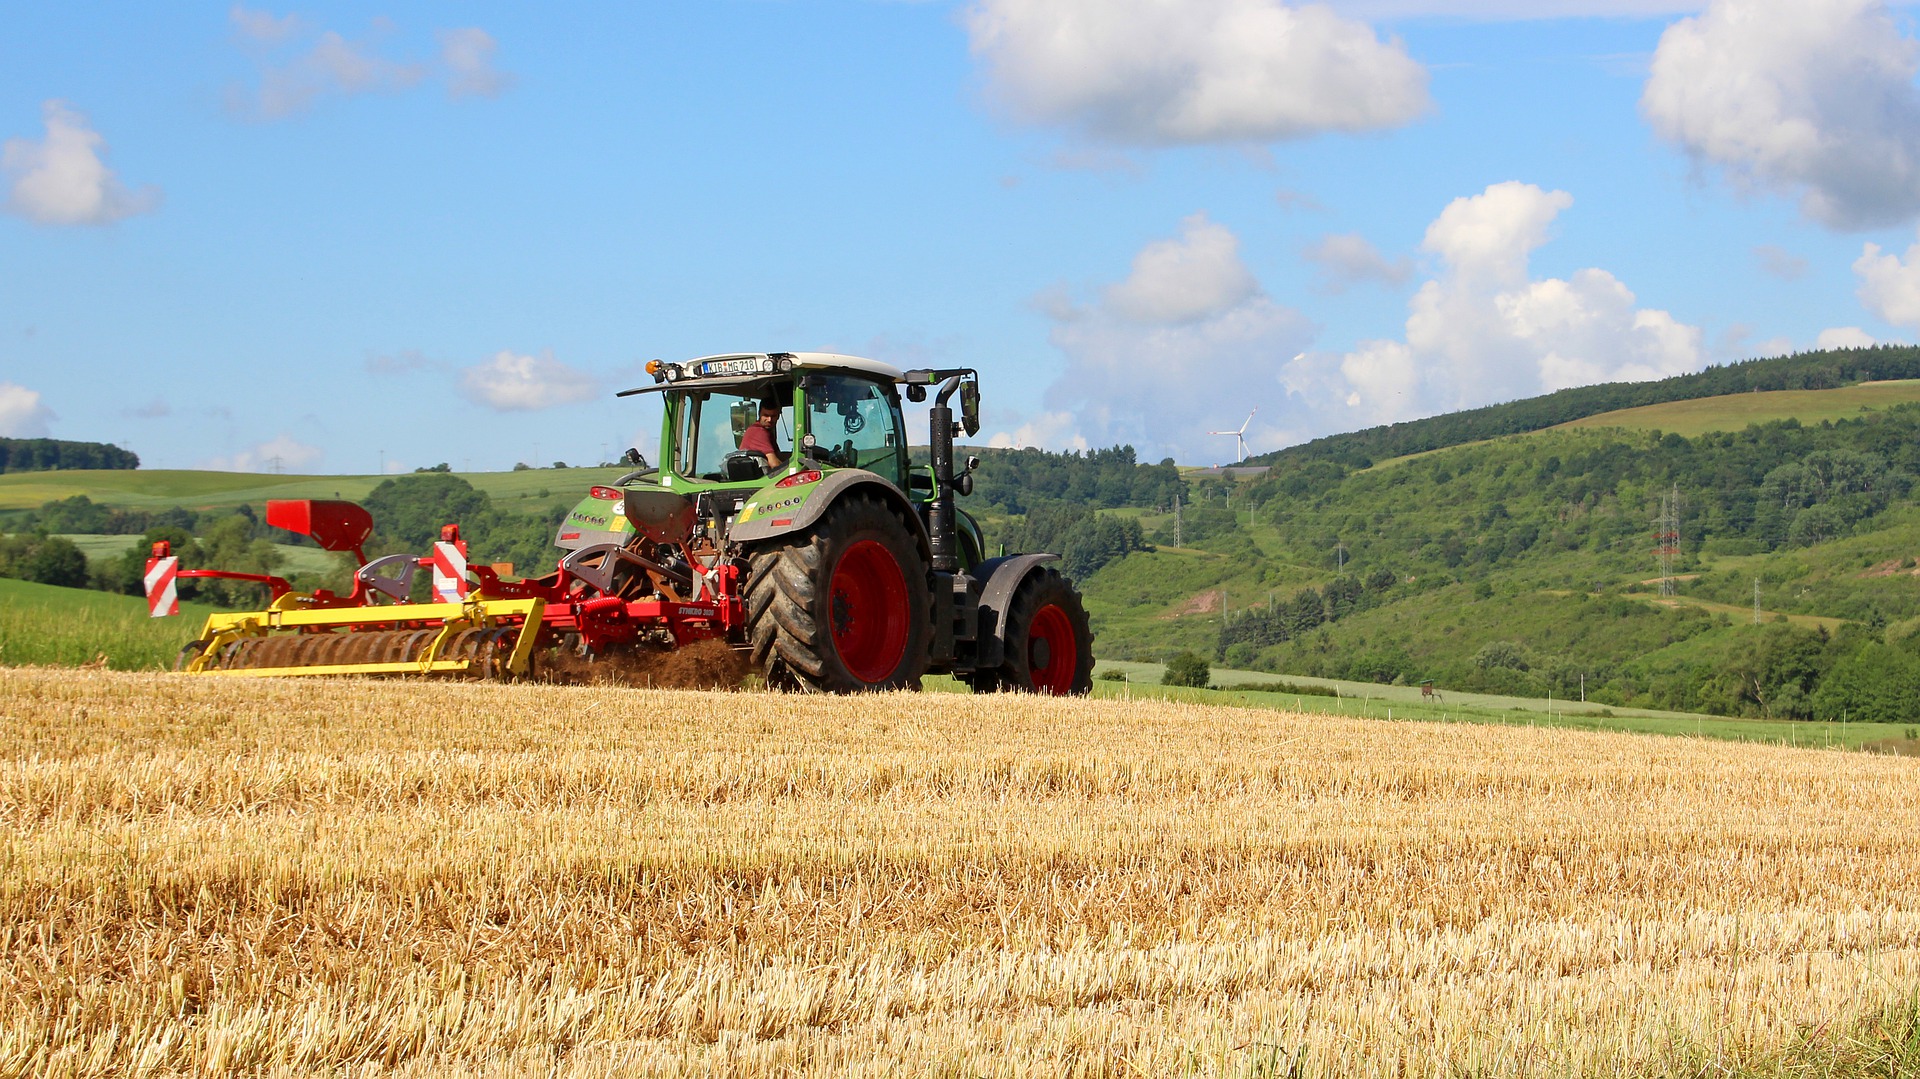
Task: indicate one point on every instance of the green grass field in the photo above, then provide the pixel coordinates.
(41, 624)
(295, 559)
(159, 488)
(1405, 704)
(1735, 411)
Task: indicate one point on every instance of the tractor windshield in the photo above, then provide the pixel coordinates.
(711, 426)
(856, 423)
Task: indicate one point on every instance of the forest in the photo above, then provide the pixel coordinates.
(1806, 371)
(46, 454)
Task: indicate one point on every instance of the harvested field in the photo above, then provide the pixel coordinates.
(223, 877)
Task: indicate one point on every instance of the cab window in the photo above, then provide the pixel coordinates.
(855, 423)
(711, 425)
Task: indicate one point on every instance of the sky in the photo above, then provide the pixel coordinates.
(357, 237)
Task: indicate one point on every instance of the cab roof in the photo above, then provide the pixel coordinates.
(818, 360)
(799, 361)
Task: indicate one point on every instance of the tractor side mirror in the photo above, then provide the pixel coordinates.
(633, 458)
(916, 393)
(970, 407)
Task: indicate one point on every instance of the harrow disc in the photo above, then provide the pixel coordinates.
(485, 649)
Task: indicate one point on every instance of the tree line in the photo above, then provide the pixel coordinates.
(47, 454)
(1806, 371)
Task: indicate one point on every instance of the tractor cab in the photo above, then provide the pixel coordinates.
(750, 436)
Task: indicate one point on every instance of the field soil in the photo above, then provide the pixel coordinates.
(231, 877)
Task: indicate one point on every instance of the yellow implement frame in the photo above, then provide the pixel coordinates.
(289, 613)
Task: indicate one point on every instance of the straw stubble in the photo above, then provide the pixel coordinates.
(223, 877)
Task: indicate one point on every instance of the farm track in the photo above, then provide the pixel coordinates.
(223, 878)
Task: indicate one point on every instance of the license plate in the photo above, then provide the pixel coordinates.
(750, 366)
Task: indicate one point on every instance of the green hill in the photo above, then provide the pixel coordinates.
(1527, 564)
(70, 626)
(1805, 371)
(158, 488)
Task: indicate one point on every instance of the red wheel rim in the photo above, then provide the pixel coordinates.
(1052, 654)
(867, 604)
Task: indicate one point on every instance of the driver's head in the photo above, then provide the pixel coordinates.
(769, 411)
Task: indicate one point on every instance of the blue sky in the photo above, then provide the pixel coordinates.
(346, 237)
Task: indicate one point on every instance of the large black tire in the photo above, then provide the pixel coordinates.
(842, 607)
(1049, 645)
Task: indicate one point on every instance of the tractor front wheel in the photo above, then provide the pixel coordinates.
(1049, 646)
(842, 607)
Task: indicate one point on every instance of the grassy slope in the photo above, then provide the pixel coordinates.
(295, 559)
(1734, 412)
(1163, 600)
(158, 489)
(43, 624)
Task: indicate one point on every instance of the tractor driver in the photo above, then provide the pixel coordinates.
(761, 436)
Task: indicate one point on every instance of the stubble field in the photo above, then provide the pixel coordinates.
(296, 877)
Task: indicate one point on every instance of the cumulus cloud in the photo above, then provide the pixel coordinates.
(1182, 72)
(1170, 352)
(1348, 259)
(511, 382)
(63, 179)
(467, 53)
(1808, 97)
(283, 453)
(1844, 337)
(298, 67)
(1185, 279)
(22, 414)
(1048, 430)
(1482, 330)
(1889, 284)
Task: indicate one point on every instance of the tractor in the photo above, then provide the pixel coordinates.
(786, 517)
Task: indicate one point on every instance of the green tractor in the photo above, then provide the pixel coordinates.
(787, 517)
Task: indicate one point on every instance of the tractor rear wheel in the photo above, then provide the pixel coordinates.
(842, 607)
(1049, 646)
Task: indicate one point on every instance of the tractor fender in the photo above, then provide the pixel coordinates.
(830, 490)
(1003, 577)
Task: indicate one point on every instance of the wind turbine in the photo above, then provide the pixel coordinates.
(1240, 436)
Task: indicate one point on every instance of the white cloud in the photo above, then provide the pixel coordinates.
(281, 454)
(22, 415)
(298, 67)
(519, 383)
(1176, 349)
(1890, 285)
(1481, 330)
(1814, 97)
(467, 53)
(1171, 72)
(1048, 430)
(1844, 337)
(1348, 259)
(1181, 280)
(63, 180)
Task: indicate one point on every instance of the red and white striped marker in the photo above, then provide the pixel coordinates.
(449, 573)
(163, 597)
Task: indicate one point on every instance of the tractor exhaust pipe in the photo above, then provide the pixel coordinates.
(941, 531)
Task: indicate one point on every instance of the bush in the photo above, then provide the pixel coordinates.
(1188, 669)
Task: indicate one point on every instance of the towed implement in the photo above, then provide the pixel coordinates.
(787, 519)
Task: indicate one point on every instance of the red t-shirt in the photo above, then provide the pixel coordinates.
(758, 439)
